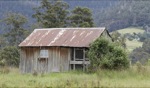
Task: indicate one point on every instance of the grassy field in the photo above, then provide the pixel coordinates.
(132, 44)
(131, 30)
(104, 78)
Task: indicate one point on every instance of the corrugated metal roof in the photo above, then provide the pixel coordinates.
(70, 37)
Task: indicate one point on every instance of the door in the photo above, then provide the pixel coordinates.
(42, 65)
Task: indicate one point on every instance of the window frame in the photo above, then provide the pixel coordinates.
(79, 59)
(44, 53)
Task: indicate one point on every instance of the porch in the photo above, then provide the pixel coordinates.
(79, 60)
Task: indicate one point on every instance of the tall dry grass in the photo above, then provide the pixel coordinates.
(133, 77)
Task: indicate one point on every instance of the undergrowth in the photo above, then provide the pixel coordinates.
(135, 76)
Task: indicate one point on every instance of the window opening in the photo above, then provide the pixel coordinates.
(43, 53)
(79, 54)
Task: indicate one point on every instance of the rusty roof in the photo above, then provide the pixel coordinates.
(69, 37)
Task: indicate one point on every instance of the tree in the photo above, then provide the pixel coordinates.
(104, 54)
(124, 14)
(51, 14)
(9, 56)
(81, 17)
(119, 39)
(2, 42)
(15, 30)
(141, 54)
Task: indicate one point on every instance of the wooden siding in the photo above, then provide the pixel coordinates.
(64, 57)
(58, 60)
(28, 59)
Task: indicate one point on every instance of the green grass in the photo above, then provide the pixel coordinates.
(131, 30)
(131, 45)
(102, 78)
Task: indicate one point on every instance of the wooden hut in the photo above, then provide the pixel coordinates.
(57, 49)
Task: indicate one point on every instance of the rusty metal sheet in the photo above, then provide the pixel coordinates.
(69, 37)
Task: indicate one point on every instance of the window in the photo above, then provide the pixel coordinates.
(44, 53)
(79, 54)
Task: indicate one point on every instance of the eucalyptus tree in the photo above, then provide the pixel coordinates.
(51, 14)
(81, 17)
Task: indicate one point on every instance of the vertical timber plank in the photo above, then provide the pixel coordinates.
(69, 58)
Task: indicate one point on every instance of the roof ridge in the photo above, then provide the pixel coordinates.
(93, 28)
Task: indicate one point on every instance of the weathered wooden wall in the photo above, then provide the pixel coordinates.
(28, 59)
(58, 60)
(64, 59)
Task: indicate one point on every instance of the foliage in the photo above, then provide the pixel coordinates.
(81, 17)
(144, 36)
(119, 39)
(125, 14)
(9, 56)
(2, 41)
(148, 62)
(132, 41)
(51, 14)
(111, 14)
(15, 30)
(26, 7)
(141, 54)
(17, 6)
(106, 55)
(131, 34)
(14, 34)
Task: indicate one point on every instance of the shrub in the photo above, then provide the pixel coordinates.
(119, 39)
(107, 55)
(9, 56)
(141, 54)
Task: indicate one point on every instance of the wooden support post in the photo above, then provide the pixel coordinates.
(74, 58)
(59, 60)
(83, 59)
(69, 59)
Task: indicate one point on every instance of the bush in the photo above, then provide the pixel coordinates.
(9, 56)
(119, 39)
(141, 54)
(104, 54)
